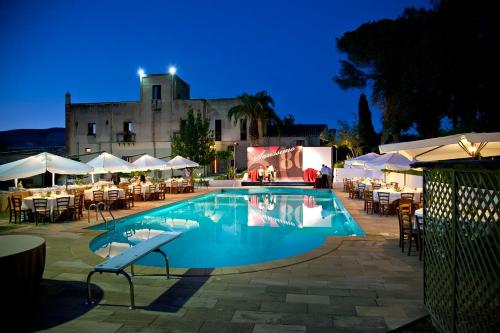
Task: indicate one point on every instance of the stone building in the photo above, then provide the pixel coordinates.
(127, 129)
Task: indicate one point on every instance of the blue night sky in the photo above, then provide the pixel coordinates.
(221, 48)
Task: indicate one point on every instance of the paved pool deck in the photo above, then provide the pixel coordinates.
(349, 284)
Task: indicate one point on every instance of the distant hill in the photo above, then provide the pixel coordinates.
(32, 138)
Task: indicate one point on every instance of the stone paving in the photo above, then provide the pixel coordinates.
(354, 284)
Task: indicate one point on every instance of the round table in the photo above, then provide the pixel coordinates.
(22, 258)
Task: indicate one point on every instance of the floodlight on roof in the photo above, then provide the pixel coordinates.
(141, 73)
(172, 70)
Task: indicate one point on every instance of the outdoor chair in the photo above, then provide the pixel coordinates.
(406, 230)
(346, 184)
(128, 200)
(351, 190)
(384, 204)
(376, 186)
(62, 208)
(407, 196)
(185, 186)
(98, 196)
(162, 190)
(150, 193)
(76, 210)
(42, 213)
(17, 211)
(369, 204)
(112, 200)
(173, 187)
(360, 191)
(137, 193)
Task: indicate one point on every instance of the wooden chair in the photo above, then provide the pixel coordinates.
(62, 208)
(112, 200)
(185, 186)
(41, 210)
(406, 230)
(161, 191)
(351, 190)
(360, 191)
(376, 186)
(346, 184)
(76, 210)
(128, 200)
(150, 193)
(407, 196)
(384, 204)
(174, 188)
(137, 193)
(369, 204)
(16, 210)
(98, 196)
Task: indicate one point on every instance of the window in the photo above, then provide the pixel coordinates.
(91, 129)
(127, 126)
(218, 130)
(156, 92)
(299, 142)
(243, 129)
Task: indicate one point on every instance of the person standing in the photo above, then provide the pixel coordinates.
(270, 169)
(260, 172)
(324, 176)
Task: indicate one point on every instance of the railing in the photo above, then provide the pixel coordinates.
(462, 245)
(99, 207)
(125, 137)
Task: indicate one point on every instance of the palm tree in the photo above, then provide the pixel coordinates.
(258, 110)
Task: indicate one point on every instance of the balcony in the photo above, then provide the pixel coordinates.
(124, 137)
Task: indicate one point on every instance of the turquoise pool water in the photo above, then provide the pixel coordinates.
(234, 227)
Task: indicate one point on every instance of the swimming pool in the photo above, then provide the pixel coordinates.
(234, 227)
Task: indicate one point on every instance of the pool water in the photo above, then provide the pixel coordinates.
(233, 227)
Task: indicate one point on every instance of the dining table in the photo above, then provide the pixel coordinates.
(51, 201)
(395, 195)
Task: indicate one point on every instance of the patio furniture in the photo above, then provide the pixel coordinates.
(112, 200)
(137, 193)
(383, 203)
(97, 196)
(61, 209)
(16, 210)
(406, 227)
(118, 263)
(41, 209)
(76, 210)
(162, 190)
(369, 204)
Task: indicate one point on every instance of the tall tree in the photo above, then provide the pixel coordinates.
(194, 140)
(426, 66)
(258, 110)
(366, 132)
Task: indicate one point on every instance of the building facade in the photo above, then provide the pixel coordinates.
(128, 129)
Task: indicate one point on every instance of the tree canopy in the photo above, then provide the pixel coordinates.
(194, 140)
(427, 66)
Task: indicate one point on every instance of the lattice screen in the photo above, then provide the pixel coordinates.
(462, 248)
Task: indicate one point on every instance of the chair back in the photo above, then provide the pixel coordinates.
(377, 186)
(407, 196)
(152, 188)
(113, 195)
(40, 203)
(162, 187)
(62, 202)
(383, 197)
(98, 196)
(137, 189)
(15, 203)
(368, 195)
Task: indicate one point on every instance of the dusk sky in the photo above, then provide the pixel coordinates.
(221, 48)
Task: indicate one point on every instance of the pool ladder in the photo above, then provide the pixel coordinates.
(99, 207)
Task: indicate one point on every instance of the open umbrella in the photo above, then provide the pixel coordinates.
(148, 162)
(361, 160)
(38, 164)
(106, 162)
(180, 162)
(391, 161)
(448, 147)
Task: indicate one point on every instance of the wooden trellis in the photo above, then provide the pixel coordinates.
(462, 245)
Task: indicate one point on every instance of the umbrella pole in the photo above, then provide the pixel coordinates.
(92, 175)
(53, 179)
(15, 182)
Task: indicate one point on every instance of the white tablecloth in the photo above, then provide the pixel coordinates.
(89, 194)
(51, 201)
(395, 195)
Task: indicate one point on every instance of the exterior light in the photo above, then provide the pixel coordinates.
(172, 70)
(88, 150)
(141, 73)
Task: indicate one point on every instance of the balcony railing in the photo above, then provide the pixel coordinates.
(125, 137)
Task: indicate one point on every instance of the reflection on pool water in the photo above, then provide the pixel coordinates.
(234, 227)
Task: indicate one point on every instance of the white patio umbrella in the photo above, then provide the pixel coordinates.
(448, 147)
(180, 162)
(38, 164)
(391, 161)
(106, 162)
(148, 162)
(361, 160)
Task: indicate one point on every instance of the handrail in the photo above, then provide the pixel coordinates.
(98, 208)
